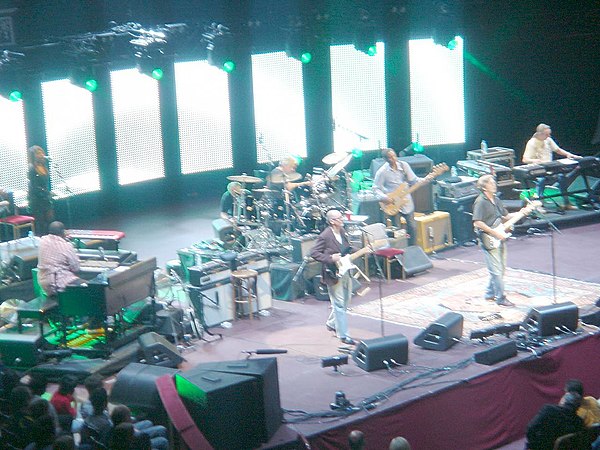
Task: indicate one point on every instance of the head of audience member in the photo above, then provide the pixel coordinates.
(19, 400)
(64, 442)
(57, 228)
(99, 401)
(571, 401)
(67, 383)
(543, 131)
(39, 407)
(399, 443)
(92, 383)
(122, 436)
(356, 440)
(43, 431)
(120, 414)
(37, 383)
(574, 386)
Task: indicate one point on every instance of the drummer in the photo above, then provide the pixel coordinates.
(285, 176)
(229, 200)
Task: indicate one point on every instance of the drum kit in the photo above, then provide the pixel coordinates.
(266, 215)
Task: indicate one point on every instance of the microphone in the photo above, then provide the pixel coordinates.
(265, 351)
(47, 158)
(32, 238)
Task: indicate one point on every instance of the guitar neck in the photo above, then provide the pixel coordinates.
(510, 222)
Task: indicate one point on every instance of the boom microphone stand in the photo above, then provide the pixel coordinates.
(380, 276)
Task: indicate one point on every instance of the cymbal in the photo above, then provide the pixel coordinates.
(285, 177)
(333, 158)
(244, 179)
(263, 190)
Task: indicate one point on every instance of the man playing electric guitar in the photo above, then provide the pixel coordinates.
(393, 184)
(328, 251)
(491, 221)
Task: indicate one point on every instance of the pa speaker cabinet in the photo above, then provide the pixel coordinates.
(370, 355)
(413, 261)
(461, 216)
(268, 410)
(223, 406)
(158, 351)
(283, 285)
(553, 319)
(21, 351)
(434, 231)
(496, 353)
(441, 334)
(212, 303)
(302, 245)
(135, 387)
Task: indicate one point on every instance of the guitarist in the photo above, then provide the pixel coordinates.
(487, 209)
(391, 175)
(328, 249)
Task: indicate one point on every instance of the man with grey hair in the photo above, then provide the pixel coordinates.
(540, 149)
(329, 248)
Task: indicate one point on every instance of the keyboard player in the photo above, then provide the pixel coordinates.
(58, 262)
(539, 150)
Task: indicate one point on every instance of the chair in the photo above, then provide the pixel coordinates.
(16, 221)
(243, 283)
(377, 233)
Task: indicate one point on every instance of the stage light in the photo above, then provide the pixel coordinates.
(220, 47)
(298, 46)
(151, 65)
(365, 40)
(9, 79)
(84, 77)
(357, 153)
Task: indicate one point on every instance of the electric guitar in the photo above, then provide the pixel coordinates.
(489, 242)
(399, 196)
(345, 264)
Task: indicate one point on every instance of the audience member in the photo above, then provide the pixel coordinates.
(356, 439)
(157, 433)
(44, 432)
(39, 407)
(19, 422)
(399, 443)
(123, 438)
(64, 401)
(553, 421)
(97, 427)
(589, 411)
(64, 442)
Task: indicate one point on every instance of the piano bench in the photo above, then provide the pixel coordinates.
(37, 309)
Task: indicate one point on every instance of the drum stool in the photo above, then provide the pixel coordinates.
(243, 282)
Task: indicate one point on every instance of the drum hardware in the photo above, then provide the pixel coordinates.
(243, 178)
(333, 158)
(284, 177)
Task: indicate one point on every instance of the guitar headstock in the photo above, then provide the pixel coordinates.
(438, 169)
(531, 205)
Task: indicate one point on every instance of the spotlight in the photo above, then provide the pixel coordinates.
(219, 44)
(334, 361)
(84, 77)
(365, 40)
(298, 46)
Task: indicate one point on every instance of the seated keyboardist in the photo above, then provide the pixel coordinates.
(539, 150)
(58, 262)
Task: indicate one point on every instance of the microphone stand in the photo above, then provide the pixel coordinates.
(68, 189)
(379, 280)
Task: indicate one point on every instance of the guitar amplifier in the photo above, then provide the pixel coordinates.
(434, 231)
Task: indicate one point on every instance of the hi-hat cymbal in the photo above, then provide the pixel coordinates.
(263, 190)
(284, 177)
(244, 179)
(333, 158)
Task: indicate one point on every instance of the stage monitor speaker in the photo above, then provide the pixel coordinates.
(169, 323)
(283, 286)
(561, 318)
(22, 264)
(441, 334)
(265, 372)
(301, 246)
(414, 260)
(223, 406)
(496, 353)
(591, 318)
(135, 387)
(461, 216)
(158, 351)
(373, 354)
(224, 231)
(20, 351)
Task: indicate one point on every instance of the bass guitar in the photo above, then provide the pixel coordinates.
(490, 242)
(399, 196)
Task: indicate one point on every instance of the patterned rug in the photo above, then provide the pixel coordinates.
(464, 294)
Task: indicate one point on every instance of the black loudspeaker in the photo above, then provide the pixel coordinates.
(591, 318)
(169, 323)
(461, 216)
(22, 264)
(414, 260)
(223, 230)
(553, 319)
(283, 286)
(20, 351)
(373, 354)
(301, 246)
(268, 410)
(422, 197)
(223, 406)
(158, 351)
(441, 334)
(135, 387)
(496, 353)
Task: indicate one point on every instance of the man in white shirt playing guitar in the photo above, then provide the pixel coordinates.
(491, 221)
